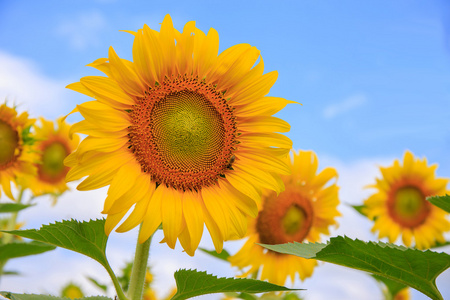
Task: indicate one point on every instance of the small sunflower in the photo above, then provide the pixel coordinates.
(72, 291)
(52, 146)
(403, 294)
(15, 156)
(182, 136)
(399, 207)
(306, 209)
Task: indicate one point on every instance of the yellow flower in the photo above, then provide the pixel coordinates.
(52, 145)
(15, 156)
(183, 134)
(302, 212)
(399, 206)
(72, 291)
(403, 294)
(149, 294)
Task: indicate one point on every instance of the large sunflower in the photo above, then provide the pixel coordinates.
(302, 212)
(182, 134)
(399, 207)
(15, 155)
(52, 146)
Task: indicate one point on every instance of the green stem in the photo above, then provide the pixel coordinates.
(13, 220)
(136, 287)
(116, 283)
(11, 225)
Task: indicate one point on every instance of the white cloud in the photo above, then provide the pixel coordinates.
(344, 106)
(83, 31)
(23, 83)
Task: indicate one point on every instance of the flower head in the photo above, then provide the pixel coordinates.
(52, 146)
(183, 136)
(301, 213)
(15, 155)
(72, 291)
(399, 207)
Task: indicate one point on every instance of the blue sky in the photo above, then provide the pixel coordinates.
(373, 76)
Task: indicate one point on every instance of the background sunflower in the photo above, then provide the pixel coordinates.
(15, 149)
(304, 211)
(52, 145)
(399, 207)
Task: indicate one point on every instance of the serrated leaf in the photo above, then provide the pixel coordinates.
(393, 287)
(12, 207)
(19, 249)
(443, 202)
(14, 296)
(223, 255)
(415, 268)
(191, 283)
(87, 238)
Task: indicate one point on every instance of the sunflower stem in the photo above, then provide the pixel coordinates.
(12, 221)
(136, 287)
(120, 293)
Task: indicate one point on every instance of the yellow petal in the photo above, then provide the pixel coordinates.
(107, 91)
(153, 218)
(171, 214)
(265, 140)
(112, 221)
(135, 218)
(125, 75)
(265, 106)
(124, 180)
(213, 229)
(193, 215)
(242, 185)
(264, 124)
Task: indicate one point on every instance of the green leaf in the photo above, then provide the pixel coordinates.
(14, 296)
(103, 287)
(27, 136)
(223, 255)
(442, 202)
(393, 287)
(87, 238)
(438, 245)
(191, 283)
(19, 249)
(415, 268)
(359, 209)
(12, 207)
(10, 273)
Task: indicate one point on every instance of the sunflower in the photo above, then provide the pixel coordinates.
(15, 156)
(403, 294)
(52, 146)
(399, 207)
(182, 136)
(72, 291)
(306, 209)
